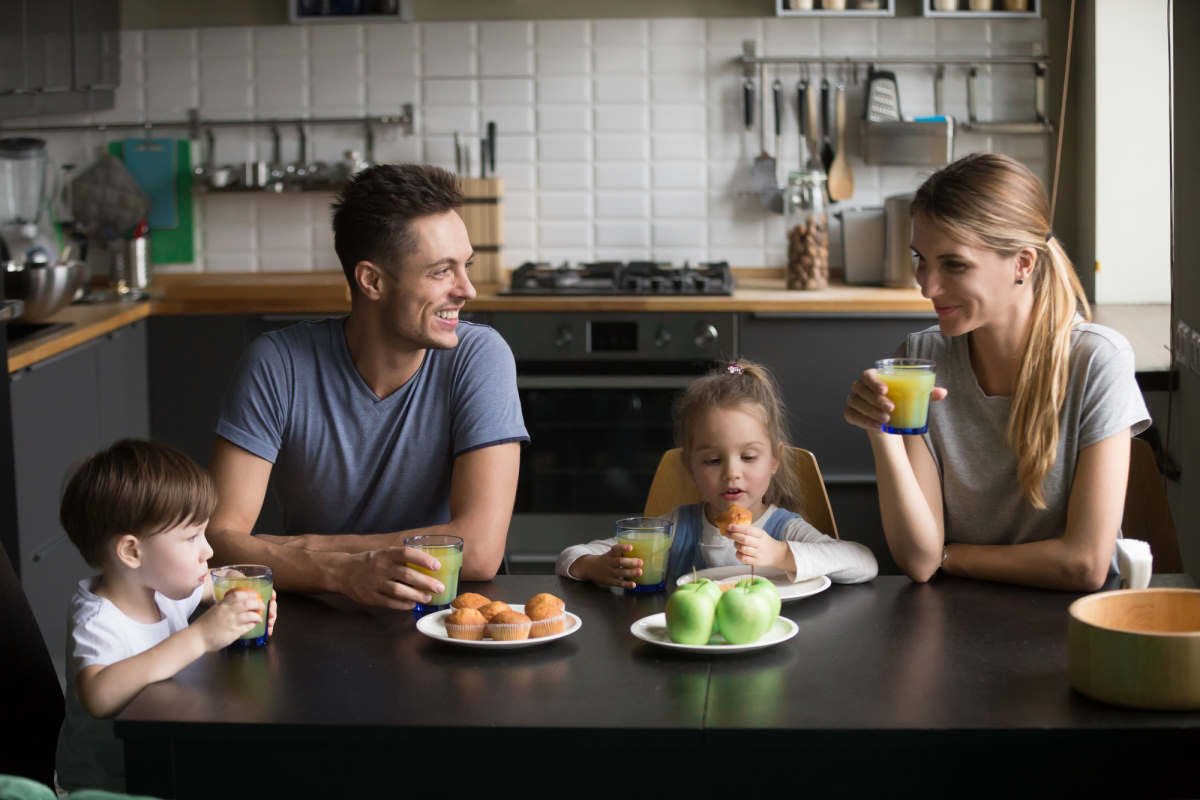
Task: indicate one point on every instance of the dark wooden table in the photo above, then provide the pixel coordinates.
(955, 687)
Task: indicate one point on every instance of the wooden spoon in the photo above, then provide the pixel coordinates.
(841, 178)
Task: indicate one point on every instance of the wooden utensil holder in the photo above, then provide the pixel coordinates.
(484, 219)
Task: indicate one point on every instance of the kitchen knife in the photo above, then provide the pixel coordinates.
(491, 150)
(826, 129)
(458, 155)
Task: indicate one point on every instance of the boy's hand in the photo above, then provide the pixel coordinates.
(756, 547)
(230, 619)
(610, 569)
(272, 612)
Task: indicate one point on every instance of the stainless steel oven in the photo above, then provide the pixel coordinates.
(597, 391)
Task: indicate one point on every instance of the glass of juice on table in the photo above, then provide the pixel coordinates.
(650, 538)
(448, 551)
(909, 382)
(246, 578)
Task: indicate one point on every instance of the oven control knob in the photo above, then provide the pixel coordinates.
(706, 335)
(563, 338)
(662, 338)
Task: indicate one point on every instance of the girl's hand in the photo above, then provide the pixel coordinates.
(868, 406)
(610, 569)
(230, 619)
(272, 612)
(756, 547)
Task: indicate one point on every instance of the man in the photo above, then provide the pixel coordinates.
(397, 420)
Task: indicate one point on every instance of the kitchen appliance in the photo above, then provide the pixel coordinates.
(618, 277)
(897, 241)
(43, 289)
(24, 189)
(863, 233)
(597, 392)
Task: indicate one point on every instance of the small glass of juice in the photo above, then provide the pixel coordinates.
(255, 578)
(448, 551)
(650, 538)
(909, 382)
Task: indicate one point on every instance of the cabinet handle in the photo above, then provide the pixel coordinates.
(820, 315)
(46, 548)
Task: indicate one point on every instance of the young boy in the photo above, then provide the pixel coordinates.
(137, 511)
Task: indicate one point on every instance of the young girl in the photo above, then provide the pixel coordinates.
(1021, 477)
(137, 512)
(731, 427)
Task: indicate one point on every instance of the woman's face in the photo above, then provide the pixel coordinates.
(971, 287)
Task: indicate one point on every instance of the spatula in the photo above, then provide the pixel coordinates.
(841, 178)
(762, 172)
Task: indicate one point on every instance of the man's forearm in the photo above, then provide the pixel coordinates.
(296, 568)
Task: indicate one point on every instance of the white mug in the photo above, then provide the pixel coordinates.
(1135, 562)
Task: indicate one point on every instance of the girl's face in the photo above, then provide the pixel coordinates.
(971, 287)
(732, 459)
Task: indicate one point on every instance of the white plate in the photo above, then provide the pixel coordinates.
(787, 589)
(434, 626)
(653, 629)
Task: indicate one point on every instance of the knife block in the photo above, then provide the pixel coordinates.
(482, 214)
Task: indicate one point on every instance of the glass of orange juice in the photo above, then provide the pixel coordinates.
(650, 538)
(448, 551)
(909, 382)
(255, 578)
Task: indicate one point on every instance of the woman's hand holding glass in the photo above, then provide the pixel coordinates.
(868, 406)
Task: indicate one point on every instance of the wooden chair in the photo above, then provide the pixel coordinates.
(31, 701)
(673, 486)
(1147, 513)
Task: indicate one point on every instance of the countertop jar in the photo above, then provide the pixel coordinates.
(807, 230)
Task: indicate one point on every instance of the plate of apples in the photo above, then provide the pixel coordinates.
(704, 617)
(788, 590)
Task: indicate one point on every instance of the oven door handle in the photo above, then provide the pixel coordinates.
(604, 381)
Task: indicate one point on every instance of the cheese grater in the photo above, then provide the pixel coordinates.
(883, 97)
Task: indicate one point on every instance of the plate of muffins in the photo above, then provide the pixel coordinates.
(474, 620)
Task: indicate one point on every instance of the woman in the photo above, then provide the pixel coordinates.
(1021, 477)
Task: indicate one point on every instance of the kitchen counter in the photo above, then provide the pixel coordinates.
(1146, 326)
(944, 684)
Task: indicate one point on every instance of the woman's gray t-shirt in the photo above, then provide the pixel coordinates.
(347, 461)
(968, 434)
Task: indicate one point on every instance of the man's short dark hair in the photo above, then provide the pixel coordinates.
(372, 216)
(136, 487)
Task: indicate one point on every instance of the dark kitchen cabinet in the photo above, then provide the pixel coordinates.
(815, 359)
(58, 56)
(64, 409)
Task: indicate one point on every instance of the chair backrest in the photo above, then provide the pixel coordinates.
(673, 486)
(1147, 513)
(31, 701)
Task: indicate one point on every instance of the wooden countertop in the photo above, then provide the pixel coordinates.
(326, 293)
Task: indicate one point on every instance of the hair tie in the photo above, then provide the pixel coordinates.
(734, 368)
(1050, 234)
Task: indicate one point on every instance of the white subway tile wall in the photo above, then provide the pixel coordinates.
(617, 138)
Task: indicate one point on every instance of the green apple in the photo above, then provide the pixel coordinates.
(690, 615)
(768, 589)
(744, 615)
(713, 590)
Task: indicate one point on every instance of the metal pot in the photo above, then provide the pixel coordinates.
(44, 290)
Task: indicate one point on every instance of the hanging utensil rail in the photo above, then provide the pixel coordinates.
(195, 123)
(1040, 124)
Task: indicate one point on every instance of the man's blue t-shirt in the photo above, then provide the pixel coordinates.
(349, 462)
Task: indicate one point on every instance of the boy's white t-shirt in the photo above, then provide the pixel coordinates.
(89, 755)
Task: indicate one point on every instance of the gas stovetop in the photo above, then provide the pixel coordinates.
(621, 277)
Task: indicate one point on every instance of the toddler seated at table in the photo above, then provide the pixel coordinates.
(137, 512)
(731, 427)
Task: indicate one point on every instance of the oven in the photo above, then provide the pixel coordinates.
(597, 391)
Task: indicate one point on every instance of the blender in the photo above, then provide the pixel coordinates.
(23, 194)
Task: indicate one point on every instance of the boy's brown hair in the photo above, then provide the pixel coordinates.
(136, 487)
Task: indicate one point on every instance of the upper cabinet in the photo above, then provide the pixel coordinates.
(58, 56)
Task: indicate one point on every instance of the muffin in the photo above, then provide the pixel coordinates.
(547, 618)
(493, 608)
(469, 600)
(509, 626)
(465, 623)
(544, 597)
(734, 515)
